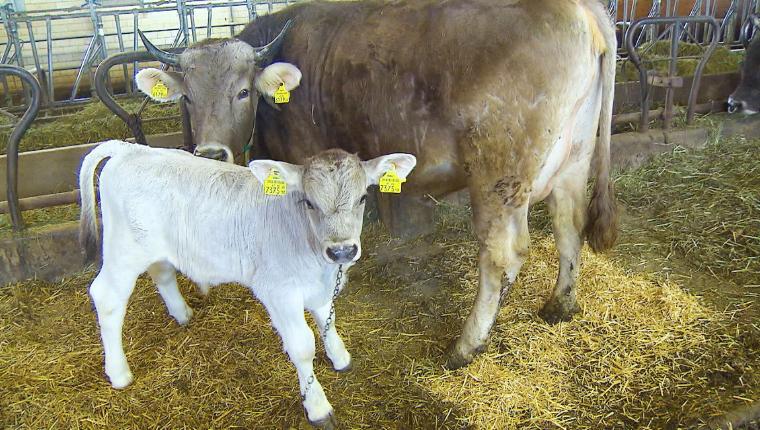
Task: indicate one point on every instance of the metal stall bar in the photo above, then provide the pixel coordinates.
(15, 139)
(647, 81)
(101, 74)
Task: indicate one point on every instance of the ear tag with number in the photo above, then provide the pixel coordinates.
(282, 95)
(390, 181)
(159, 90)
(274, 185)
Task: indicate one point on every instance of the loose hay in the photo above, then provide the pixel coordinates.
(642, 354)
(703, 207)
(93, 123)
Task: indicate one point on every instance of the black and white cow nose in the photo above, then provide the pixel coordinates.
(735, 105)
(343, 253)
(212, 153)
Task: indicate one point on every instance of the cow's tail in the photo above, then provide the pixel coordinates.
(88, 227)
(602, 219)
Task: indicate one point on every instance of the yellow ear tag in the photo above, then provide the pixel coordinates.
(274, 185)
(159, 90)
(390, 182)
(282, 95)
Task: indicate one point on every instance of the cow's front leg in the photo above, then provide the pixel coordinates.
(287, 314)
(334, 347)
(504, 239)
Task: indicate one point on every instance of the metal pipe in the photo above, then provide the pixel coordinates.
(45, 201)
(15, 139)
(50, 80)
(636, 60)
(133, 121)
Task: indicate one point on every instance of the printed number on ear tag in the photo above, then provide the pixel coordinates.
(390, 182)
(274, 185)
(159, 90)
(282, 95)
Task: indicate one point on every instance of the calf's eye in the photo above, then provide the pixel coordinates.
(363, 200)
(308, 204)
(187, 100)
(244, 93)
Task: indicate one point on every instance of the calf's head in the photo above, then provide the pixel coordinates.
(746, 98)
(220, 81)
(332, 190)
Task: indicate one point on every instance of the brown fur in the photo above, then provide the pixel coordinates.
(602, 223)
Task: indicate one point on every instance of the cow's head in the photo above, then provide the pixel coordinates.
(221, 81)
(333, 185)
(746, 98)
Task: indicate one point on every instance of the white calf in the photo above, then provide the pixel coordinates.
(165, 210)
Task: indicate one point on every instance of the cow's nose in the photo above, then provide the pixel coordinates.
(735, 105)
(212, 153)
(343, 253)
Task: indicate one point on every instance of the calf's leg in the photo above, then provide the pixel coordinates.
(110, 293)
(287, 315)
(165, 277)
(334, 347)
(503, 234)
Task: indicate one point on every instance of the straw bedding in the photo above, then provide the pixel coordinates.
(668, 336)
(643, 353)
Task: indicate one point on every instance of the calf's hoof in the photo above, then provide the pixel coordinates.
(456, 358)
(184, 319)
(347, 368)
(555, 311)
(121, 380)
(327, 423)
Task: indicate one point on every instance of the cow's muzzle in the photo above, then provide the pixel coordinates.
(214, 153)
(343, 253)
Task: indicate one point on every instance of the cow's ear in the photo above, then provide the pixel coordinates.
(159, 85)
(376, 167)
(276, 74)
(292, 174)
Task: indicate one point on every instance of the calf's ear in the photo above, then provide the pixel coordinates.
(147, 79)
(290, 173)
(276, 74)
(376, 167)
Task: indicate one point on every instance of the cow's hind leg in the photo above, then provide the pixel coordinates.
(287, 314)
(165, 277)
(567, 206)
(110, 293)
(502, 230)
(334, 347)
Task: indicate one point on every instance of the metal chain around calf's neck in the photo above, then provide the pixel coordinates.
(328, 323)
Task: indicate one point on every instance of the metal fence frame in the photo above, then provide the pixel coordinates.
(97, 49)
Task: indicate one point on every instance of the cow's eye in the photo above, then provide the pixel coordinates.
(244, 93)
(308, 204)
(363, 200)
(187, 100)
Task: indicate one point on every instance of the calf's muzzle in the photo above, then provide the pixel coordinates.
(343, 253)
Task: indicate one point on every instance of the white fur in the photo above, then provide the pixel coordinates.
(165, 210)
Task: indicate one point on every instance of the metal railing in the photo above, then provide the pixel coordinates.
(112, 30)
(676, 27)
(731, 18)
(15, 138)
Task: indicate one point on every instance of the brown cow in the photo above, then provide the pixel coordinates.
(504, 97)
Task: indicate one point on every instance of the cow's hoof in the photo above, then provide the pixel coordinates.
(327, 423)
(456, 359)
(347, 368)
(554, 311)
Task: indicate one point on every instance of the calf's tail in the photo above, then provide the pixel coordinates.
(602, 219)
(88, 227)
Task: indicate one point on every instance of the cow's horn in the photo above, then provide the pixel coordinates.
(162, 56)
(265, 54)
